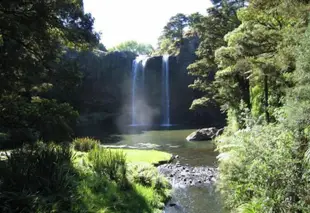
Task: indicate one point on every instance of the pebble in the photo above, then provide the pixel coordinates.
(188, 175)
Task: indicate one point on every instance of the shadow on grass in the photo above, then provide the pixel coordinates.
(37, 178)
(101, 195)
(46, 180)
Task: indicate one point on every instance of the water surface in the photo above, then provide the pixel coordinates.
(201, 153)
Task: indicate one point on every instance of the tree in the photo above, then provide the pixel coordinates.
(252, 63)
(34, 35)
(278, 153)
(260, 51)
(173, 34)
(211, 31)
(102, 47)
(135, 47)
(175, 27)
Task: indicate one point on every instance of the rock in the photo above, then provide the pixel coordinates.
(203, 134)
(187, 175)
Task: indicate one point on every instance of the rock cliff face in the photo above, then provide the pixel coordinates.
(181, 96)
(104, 90)
(105, 94)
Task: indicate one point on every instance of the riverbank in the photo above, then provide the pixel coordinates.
(102, 180)
(144, 188)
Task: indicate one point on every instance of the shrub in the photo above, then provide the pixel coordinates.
(147, 175)
(258, 170)
(111, 163)
(144, 174)
(36, 177)
(85, 144)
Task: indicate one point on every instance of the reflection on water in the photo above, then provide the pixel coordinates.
(188, 199)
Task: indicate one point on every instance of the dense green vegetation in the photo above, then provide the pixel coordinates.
(253, 60)
(49, 59)
(31, 67)
(54, 178)
(135, 47)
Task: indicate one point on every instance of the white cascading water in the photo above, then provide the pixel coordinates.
(166, 91)
(138, 65)
(138, 88)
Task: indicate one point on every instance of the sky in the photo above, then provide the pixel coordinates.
(140, 20)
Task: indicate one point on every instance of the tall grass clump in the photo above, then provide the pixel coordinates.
(147, 175)
(37, 178)
(108, 163)
(85, 144)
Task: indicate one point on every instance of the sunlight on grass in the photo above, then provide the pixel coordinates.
(135, 156)
(145, 156)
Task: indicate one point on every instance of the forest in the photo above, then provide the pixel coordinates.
(58, 80)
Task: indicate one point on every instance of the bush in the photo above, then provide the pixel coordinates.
(258, 170)
(147, 175)
(36, 178)
(111, 163)
(144, 174)
(85, 144)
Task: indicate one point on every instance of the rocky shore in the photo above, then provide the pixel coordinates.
(185, 175)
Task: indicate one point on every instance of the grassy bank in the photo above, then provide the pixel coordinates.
(53, 178)
(136, 156)
(140, 189)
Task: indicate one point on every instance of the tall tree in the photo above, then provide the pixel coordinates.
(260, 52)
(173, 34)
(211, 31)
(33, 36)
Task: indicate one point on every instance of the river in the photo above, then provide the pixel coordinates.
(189, 199)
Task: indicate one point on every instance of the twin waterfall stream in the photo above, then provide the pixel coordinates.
(138, 91)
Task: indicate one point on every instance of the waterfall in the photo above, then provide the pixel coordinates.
(144, 61)
(133, 93)
(141, 111)
(166, 91)
(138, 86)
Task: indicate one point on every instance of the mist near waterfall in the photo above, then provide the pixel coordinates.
(145, 114)
(147, 101)
(136, 110)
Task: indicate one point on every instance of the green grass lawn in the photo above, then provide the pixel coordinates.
(137, 156)
(145, 156)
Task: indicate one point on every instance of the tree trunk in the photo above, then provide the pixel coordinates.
(266, 98)
(244, 86)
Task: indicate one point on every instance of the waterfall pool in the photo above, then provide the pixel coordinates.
(189, 199)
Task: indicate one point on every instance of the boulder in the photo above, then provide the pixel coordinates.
(203, 134)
